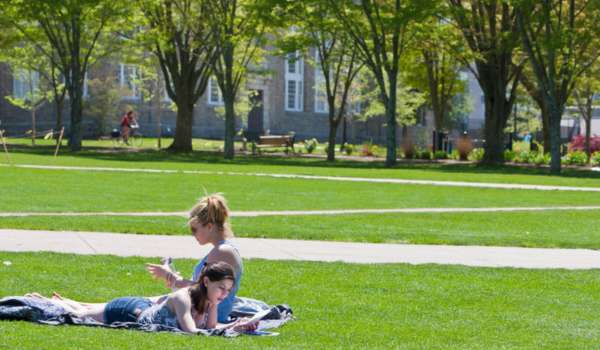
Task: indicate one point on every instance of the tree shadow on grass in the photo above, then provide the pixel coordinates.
(277, 159)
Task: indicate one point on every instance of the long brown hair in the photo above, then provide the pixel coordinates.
(215, 272)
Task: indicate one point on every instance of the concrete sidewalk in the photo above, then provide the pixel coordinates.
(280, 249)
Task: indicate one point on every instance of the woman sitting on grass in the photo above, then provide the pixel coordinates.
(209, 223)
(189, 309)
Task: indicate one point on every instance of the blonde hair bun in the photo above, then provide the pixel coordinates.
(212, 209)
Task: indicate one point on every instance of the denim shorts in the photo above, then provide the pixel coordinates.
(125, 309)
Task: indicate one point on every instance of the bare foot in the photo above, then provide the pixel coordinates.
(56, 296)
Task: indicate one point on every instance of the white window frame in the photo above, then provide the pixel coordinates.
(296, 76)
(321, 105)
(85, 86)
(214, 95)
(20, 83)
(125, 81)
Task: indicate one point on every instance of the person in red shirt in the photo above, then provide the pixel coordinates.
(127, 122)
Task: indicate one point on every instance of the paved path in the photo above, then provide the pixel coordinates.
(318, 177)
(280, 249)
(308, 212)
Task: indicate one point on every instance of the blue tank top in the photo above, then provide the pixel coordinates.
(226, 305)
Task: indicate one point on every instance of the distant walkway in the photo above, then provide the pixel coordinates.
(153, 246)
(308, 212)
(318, 177)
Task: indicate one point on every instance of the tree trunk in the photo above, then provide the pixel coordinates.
(390, 114)
(555, 116)
(158, 93)
(58, 104)
(333, 125)
(33, 126)
(588, 135)
(76, 110)
(344, 134)
(495, 122)
(183, 127)
(545, 127)
(229, 148)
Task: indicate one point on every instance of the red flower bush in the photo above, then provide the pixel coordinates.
(578, 143)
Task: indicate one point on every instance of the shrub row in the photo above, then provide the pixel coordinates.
(463, 151)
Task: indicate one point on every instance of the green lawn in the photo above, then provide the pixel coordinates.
(337, 305)
(565, 229)
(35, 190)
(80, 191)
(211, 161)
(149, 143)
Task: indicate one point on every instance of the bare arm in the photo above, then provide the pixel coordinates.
(180, 301)
(212, 323)
(172, 279)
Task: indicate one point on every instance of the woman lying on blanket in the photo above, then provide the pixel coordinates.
(189, 309)
(209, 223)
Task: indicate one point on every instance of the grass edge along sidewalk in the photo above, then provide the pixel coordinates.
(547, 229)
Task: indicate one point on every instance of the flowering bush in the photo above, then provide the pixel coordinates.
(541, 158)
(311, 145)
(509, 156)
(349, 148)
(578, 143)
(575, 158)
(424, 154)
(454, 155)
(523, 157)
(369, 149)
(440, 155)
(595, 158)
(476, 155)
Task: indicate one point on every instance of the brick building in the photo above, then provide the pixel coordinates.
(289, 103)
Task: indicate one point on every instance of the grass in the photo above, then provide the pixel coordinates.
(149, 143)
(213, 161)
(79, 191)
(563, 229)
(337, 305)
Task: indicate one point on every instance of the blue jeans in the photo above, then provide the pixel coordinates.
(125, 309)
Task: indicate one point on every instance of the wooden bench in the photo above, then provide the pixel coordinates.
(270, 141)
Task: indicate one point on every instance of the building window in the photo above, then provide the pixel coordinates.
(321, 105)
(85, 85)
(85, 93)
(356, 108)
(294, 82)
(25, 83)
(128, 77)
(215, 97)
